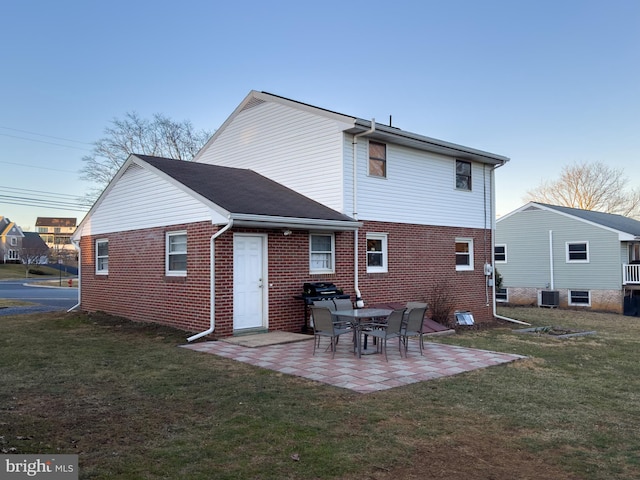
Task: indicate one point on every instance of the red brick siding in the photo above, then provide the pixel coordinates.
(137, 288)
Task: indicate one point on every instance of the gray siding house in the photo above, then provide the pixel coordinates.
(550, 255)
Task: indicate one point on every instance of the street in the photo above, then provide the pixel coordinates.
(46, 298)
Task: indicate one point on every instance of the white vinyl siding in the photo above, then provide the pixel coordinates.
(141, 199)
(418, 189)
(291, 146)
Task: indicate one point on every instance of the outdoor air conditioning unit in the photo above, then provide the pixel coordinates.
(549, 298)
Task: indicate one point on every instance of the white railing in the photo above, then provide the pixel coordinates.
(630, 273)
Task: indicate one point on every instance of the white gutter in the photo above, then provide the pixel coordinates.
(76, 243)
(212, 277)
(493, 252)
(356, 288)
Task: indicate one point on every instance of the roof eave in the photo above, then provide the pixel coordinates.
(385, 133)
(268, 221)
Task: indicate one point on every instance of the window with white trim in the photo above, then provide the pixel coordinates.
(321, 253)
(464, 254)
(580, 298)
(176, 248)
(377, 253)
(13, 255)
(577, 252)
(14, 241)
(502, 295)
(377, 159)
(102, 256)
(500, 253)
(463, 175)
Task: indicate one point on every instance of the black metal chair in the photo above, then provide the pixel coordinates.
(391, 328)
(324, 325)
(413, 328)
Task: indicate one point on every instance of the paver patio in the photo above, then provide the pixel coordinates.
(371, 373)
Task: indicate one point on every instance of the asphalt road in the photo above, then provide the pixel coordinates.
(45, 298)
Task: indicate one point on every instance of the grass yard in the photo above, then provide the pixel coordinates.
(17, 272)
(133, 406)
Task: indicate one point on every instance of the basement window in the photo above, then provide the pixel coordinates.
(580, 298)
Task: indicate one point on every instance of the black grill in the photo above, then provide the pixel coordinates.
(312, 292)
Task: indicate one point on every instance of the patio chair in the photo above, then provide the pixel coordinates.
(325, 326)
(342, 304)
(391, 328)
(413, 327)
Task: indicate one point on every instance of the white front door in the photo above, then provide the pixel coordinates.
(248, 281)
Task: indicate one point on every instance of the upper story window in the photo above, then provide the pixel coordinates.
(43, 229)
(102, 256)
(377, 159)
(464, 254)
(14, 241)
(176, 261)
(321, 253)
(577, 252)
(377, 252)
(463, 175)
(500, 253)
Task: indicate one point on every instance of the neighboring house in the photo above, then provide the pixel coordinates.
(34, 250)
(559, 256)
(286, 193)
(56, 233)
(10, 241)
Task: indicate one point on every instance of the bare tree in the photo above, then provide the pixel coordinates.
(34, 251)
(159, 136)
(590, 186)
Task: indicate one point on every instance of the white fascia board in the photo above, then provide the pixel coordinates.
(385, 133)
(267, 221)
(623, 236)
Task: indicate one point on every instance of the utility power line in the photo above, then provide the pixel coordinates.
(43, 135)
(35, 198)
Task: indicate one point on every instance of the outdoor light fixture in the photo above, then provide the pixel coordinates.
(286, 232)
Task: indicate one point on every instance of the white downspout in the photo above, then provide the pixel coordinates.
(77, 245)
(551, 279)
(493, 252)
(359, 301)
(212, 287)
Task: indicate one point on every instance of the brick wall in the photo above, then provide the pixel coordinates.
(137, 288)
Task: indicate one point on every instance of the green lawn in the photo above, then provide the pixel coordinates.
(133, 406)
(11, 271)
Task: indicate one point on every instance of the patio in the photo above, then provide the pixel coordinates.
(293, 354)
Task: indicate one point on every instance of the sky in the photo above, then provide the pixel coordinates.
(547, 83)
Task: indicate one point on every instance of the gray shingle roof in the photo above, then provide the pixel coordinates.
(617, 222)
(243, 191)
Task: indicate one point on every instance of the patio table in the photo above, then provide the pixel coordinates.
(356, 316)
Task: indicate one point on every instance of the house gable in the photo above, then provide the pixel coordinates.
(171, 192)
(290, 143)
(536, 239)
(310, 150)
